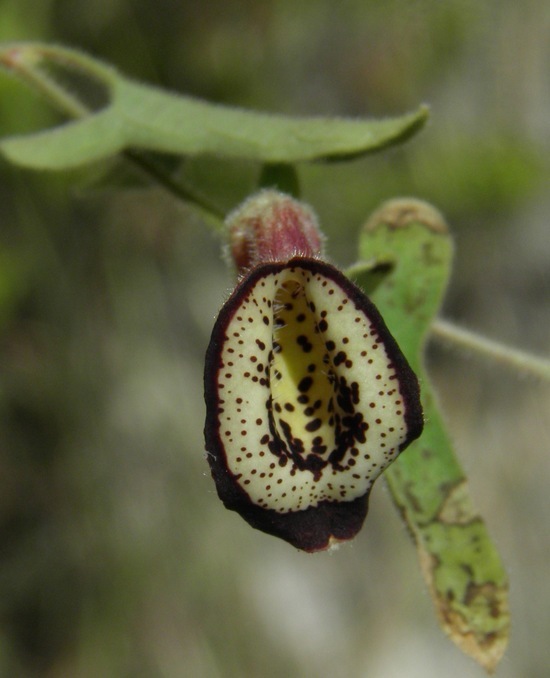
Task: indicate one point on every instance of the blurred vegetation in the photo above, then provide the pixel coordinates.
(116, 557)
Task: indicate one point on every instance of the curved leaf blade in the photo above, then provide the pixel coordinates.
(145, 117)
(68, 146)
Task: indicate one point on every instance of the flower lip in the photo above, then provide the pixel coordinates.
(318, 498)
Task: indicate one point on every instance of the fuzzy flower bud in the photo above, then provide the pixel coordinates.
(272, 226)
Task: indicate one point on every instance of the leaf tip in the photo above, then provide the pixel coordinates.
(478, 624)
(402, 212)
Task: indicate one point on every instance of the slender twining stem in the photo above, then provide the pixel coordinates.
(23, 65)
(18, 55)
(505, 355)
(22, 61)
(154, 171)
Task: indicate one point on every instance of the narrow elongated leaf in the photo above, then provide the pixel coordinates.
(141, 116)
(409, 252)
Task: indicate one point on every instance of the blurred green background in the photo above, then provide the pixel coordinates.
(116, 557)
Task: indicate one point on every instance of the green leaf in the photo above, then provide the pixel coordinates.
(144, 117)
(407, 252)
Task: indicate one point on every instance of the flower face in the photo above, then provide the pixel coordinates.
(308, 398)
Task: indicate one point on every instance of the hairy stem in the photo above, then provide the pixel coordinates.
(22, 61)
(504, 355)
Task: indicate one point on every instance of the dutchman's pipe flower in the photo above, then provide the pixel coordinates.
(308, 396)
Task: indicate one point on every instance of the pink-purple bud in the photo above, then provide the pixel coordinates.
(272, 227)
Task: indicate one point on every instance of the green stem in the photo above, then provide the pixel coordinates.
(505, 355)
(21, 59)
(154, 171)
(14, 54)
(22, 63)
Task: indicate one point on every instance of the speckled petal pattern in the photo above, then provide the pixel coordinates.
(308, 398)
